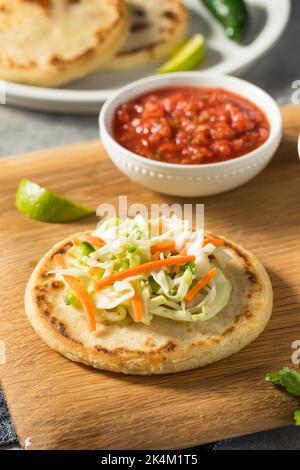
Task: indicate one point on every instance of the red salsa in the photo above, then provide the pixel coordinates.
(190, 125)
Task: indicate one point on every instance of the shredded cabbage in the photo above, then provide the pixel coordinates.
(213, 303)
(162, 292)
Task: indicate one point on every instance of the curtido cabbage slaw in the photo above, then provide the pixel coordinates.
(144, 269)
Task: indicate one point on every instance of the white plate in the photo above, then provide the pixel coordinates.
(223, 56)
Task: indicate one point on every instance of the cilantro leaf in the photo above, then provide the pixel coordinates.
(274, 378)
(297, 417)
(287, 378)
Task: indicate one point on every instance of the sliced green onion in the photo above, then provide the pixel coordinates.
(191, 266)
(131, 248)
(138, 235)
(70, 298)
(87, 248)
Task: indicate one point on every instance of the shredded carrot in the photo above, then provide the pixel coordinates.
(59, 261)
(200, 284)
(214, 241)
(156, 256)
(79, 290)
(144, 268)
(84, 299)
(95, 271)
(137, 306)
(176, 269)
(94, 241)
(163, 247)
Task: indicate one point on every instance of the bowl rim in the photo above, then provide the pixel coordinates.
(275, 130)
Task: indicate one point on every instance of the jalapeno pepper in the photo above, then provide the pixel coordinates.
(232, 14)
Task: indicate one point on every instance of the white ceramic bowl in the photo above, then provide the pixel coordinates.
(191, 180)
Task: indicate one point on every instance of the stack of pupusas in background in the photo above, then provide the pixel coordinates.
(52, 42)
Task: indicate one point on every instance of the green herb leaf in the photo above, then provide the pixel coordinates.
(287, 378)
(274, 378)
(297, 417)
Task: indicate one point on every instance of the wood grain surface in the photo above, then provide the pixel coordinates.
(60, 404)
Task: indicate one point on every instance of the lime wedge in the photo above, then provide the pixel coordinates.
(188, 57)
(41, 204)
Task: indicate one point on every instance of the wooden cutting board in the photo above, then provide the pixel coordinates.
(60, 404)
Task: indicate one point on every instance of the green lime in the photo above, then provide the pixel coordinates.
(188, 57)
(41, 204)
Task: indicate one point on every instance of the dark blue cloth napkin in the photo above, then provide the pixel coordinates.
(8, 436)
